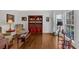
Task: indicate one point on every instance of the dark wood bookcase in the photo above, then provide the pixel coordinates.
(35, 23)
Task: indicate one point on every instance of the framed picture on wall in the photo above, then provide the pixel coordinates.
(47, 19)
(9, 17)
(24, 18)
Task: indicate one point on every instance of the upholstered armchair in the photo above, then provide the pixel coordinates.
(3, 42)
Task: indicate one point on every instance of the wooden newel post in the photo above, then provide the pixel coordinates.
(64, 38)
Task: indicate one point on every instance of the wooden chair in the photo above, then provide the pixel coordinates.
(68, 44)
(64, 43)
(61, 43)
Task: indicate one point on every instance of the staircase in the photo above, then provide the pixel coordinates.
(63, 42)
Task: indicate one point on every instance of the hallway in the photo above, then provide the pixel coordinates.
(41, 41)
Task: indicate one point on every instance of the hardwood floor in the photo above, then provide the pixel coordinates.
(41, 41)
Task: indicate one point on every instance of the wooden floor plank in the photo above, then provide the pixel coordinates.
(41, 41)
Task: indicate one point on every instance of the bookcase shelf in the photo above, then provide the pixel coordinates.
(70, 24)
(35, 23)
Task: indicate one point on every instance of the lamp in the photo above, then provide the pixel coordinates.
(10, 22)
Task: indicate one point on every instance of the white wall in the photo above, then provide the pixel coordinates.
(76, 13)
(47, 26)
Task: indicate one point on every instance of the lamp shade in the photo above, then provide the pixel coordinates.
(59, 23)
(10, 21)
